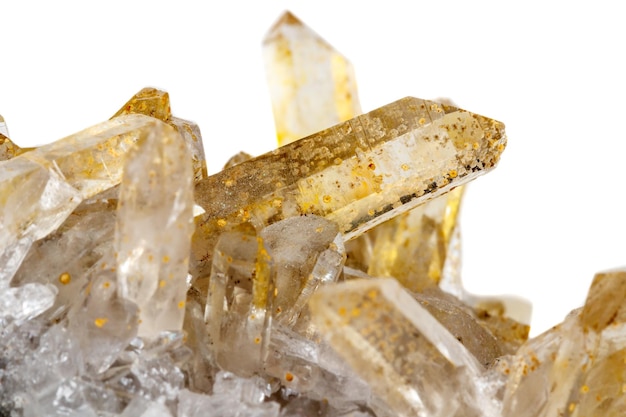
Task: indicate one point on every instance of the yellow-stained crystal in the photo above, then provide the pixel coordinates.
(413, 246)
(358, 173)
(8, 149)
(156, 103)
(406, 356)
(312, 86)
(150, 102)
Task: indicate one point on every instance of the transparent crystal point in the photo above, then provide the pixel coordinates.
(312, 86)
(154, 227)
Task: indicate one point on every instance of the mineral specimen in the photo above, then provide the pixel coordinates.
(321, 278)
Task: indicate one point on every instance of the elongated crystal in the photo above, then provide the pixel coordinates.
(154, 227)
(407, 357)
(312, 86)
(357, 174)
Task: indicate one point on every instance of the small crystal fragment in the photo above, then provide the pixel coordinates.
(312, 86)
(357, 174)
(154, 227)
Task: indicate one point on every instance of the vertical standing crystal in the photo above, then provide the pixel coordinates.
(408, 358)
(156, 103)
(154, 227)
(312, 86)
(357, 174)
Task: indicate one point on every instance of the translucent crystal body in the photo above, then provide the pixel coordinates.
(312, 86)
(152, 262)
(412, 362)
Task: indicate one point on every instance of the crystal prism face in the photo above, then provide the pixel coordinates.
(312, 86)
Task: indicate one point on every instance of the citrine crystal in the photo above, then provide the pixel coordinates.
(312, 86)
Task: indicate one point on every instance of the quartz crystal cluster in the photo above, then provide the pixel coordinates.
(319, 279)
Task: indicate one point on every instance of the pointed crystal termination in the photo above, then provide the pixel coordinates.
(154, 228)
(312, 86)
(407, 357)
(357, 174)
(150, 102)
(4, 131)
(8, 149)
(156, 103)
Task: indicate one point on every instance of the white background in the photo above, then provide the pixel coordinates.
(540, 225)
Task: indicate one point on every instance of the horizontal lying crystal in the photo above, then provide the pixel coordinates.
(312, 86)
(357, 174)
(407, 357)
(154, 228)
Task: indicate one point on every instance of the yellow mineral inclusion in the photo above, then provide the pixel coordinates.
(100, 322)
(262, 277)
(312, 86)
(65, 278)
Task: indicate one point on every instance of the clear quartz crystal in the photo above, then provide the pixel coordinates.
(153, 229)
(408, 358)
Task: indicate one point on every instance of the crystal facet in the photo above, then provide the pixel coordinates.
(312, 86)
